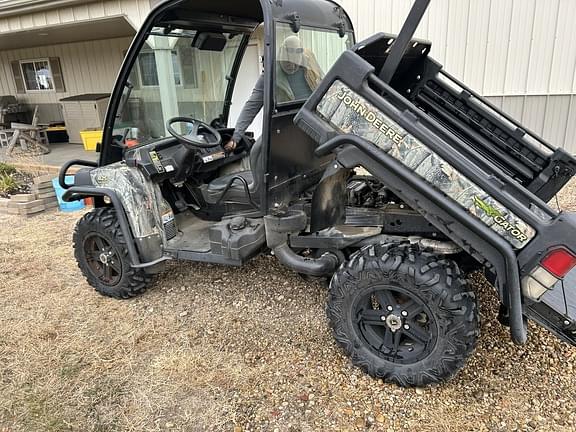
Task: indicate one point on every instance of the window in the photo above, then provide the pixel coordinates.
(196, 89)
(303, 58)
(42, 75)
(37, 75)
(149, 71)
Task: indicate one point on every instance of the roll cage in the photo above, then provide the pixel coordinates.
(233, 17)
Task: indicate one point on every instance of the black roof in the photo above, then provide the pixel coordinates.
(317, 13)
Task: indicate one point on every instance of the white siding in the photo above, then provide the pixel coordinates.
(135, 12)
(82, 73)
(520, 53)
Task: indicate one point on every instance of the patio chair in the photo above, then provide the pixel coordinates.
(28, 135)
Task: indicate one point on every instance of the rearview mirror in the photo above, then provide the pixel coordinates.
(206, 41)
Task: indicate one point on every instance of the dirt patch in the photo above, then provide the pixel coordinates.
(215, 348)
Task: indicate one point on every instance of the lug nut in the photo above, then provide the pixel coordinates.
(390, 308)
(404, 313)
(406, 327)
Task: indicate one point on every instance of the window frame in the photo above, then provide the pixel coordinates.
(155, 86)
(25, 81)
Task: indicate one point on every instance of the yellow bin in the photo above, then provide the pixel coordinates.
(91, 137)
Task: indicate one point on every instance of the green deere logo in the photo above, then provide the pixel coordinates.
(500, 220)
(486, 208)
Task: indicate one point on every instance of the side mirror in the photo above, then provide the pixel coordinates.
(206, 41)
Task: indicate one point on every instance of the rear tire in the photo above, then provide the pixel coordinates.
(403, 315)
(102, 256)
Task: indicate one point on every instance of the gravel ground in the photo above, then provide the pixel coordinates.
(215, 348)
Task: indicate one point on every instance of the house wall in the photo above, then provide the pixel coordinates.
(87, 67)
(519, 53)
(135, 12)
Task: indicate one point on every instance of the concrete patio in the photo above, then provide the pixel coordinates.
(59, 154)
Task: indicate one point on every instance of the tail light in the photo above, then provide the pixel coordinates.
(559, 262)
(553, 267)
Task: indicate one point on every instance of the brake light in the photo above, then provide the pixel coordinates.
(559, 262)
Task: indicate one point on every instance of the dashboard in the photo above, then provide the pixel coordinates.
(169, 159)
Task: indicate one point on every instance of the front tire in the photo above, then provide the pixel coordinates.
(403, 315)
(102, 256)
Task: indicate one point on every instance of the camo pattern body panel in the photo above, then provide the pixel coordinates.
(139, 197)
(350, 113)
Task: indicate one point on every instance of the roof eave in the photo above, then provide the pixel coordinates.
(21, 7)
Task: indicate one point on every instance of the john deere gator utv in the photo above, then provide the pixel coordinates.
(449, 183)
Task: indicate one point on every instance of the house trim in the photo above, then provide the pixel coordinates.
(18, 7)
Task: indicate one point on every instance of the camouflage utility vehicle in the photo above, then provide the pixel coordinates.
(449, 184)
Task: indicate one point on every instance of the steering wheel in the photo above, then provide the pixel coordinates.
(211, 139)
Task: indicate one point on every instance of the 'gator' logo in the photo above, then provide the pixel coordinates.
(500, 220)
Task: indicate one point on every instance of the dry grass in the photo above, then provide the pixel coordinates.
(214, 348)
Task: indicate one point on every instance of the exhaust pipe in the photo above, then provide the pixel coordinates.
(278, 228)
(326, 265)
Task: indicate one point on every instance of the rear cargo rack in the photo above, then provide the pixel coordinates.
(424, 134)
(519, 152)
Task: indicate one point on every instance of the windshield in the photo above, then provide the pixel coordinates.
(171, 78)
(303, 58)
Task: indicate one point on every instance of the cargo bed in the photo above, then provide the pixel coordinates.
(477, 175)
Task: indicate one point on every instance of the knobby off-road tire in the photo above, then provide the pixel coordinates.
(406, 316)
(101, 252)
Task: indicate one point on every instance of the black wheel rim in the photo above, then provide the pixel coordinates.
(395, 324)
(103, 259)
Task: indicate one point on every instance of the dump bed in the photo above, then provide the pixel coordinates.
(475, 173)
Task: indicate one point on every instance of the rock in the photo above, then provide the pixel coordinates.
(43, 179)
(33, 210)
(45, 195)
(183, 314)
(30, 204)
(23, 198)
